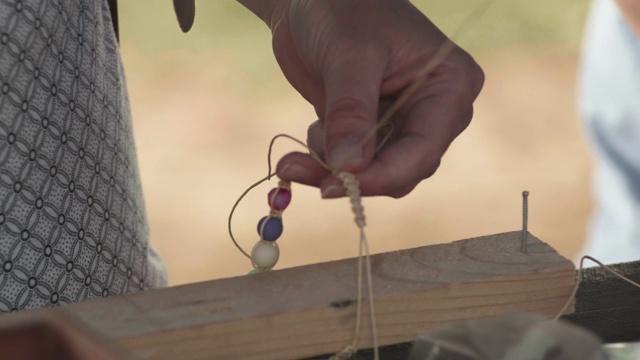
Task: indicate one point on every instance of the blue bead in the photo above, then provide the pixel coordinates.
(272, 229)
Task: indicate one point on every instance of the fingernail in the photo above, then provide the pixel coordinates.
(332, 191)
(345, 152)
(293, 172)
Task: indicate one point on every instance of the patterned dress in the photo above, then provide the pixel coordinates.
(72, 218)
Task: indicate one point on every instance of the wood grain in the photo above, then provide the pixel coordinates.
(604, 304)
(310, 310)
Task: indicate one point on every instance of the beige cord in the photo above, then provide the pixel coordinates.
(350, 183)
(579, 280)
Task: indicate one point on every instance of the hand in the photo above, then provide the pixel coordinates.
(351, 59)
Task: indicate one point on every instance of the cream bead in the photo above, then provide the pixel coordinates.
(265, 254)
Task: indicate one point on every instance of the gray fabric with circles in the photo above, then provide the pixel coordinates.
(72, 219)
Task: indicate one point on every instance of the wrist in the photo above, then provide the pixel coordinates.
(270, 11)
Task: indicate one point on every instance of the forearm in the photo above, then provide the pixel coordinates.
(631, 12)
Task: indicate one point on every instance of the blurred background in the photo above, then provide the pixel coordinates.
(206, 104)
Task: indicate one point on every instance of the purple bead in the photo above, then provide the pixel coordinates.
(279, 198)
(272, 229)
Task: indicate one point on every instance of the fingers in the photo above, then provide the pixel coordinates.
(315, 137)
(433, 117)
(352, 91)
(424, 128)
(432, 120)
(301, 168)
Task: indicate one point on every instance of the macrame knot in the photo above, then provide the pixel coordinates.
(352, 186)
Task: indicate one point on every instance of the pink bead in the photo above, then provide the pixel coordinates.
(279, 198)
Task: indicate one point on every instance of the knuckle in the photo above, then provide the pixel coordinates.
(349, 107)
(431, 168)
(478, 76)
(376, 188)
(469, 74)
(466, 120)
(474, 72)
(403, 192)
(314, 136)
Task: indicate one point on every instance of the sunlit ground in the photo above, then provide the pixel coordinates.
(206, 104)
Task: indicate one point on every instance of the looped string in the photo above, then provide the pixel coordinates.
(580, 277)
(268, 177)
(351, 184)
(233, 210)
(313, 154)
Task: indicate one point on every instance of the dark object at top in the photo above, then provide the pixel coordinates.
(186, 13)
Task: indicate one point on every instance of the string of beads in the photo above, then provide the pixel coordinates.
(265, 253)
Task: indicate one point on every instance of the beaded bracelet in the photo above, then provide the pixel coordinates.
(265, 253)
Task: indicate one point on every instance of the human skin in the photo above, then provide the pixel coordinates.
(631, 12)
(351, 59)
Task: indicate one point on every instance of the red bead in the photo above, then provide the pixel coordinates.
(279, 198)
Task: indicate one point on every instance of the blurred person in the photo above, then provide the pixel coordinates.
(610, 104)
(72, 218)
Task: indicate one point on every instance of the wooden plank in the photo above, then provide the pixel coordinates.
(310, 310)
(605, 305)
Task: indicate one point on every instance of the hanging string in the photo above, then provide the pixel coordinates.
(580, 278)
(351, 184)
(353, 191)
(233, 210)
(268, 177)
(313, 154)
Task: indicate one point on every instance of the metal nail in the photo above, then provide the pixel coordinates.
(525, 220)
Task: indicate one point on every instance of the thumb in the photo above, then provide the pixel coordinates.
(352, 94)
